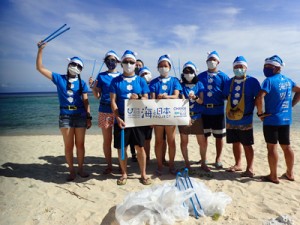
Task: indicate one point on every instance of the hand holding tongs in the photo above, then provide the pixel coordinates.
(55, 34)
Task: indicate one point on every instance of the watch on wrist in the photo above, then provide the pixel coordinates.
(259, 115)
(89, 117)
(140, 96)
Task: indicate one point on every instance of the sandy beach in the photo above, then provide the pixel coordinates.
(33, 188)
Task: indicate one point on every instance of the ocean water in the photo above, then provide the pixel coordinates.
(37, 114)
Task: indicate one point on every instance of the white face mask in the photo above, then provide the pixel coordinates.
(128, 68)
(211, 64)
(73, 70)
(148, 77)
(163, 71)
(189, 76)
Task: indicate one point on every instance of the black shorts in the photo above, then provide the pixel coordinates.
(273, 134)
(237, 135)
(214, 124)
(148, 132)
(133, 135)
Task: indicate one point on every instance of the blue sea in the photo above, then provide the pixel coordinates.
(37, 114)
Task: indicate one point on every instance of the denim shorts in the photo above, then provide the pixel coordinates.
(75, 121)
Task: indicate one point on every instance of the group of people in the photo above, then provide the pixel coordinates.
(207, 93)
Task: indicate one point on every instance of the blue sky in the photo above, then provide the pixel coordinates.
(185, 29)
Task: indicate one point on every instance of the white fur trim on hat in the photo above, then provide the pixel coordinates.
(165, 57)
(213, 54)
(112, 53)
(129, 54)
(75, 59)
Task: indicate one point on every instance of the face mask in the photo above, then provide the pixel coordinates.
(163, 71)
(128, 68)
(211, 64)
(239, 72)
(268, 72)
(148, 77)
(73, 70)
(189, 76)
(111, 64)
(136, 70)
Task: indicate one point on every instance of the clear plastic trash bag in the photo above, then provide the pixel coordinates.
(166, 204)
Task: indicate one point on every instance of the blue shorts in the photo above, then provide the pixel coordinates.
(72, 121)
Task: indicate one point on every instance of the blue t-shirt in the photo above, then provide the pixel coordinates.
(252, 87)
(124, 86)
(164, 85)
(70, 96)
(213, 91)
(104, 81)
(278, 100)
(195, 108)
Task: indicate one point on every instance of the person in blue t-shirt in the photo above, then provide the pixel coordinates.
(145, 73)
(138, 64)
(165, 87)
(213, 81)
(276, 94)
(128, 86)
(74, 115)
(241, 92)
(105, 116)
(192, 89)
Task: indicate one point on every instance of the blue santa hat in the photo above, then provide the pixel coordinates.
(213, 54)
(144, 69)
(77, 60)
(191, 65)
(275, 60)
(165, 57)
(112, 53)
(240, 60)
(129, 54)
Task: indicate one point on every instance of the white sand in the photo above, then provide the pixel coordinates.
(33, 188)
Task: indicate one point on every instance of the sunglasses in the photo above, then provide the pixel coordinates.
(77, 65)
(111, 60)
(128, 62)
(187, 70)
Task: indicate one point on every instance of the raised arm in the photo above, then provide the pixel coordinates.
(39, 63)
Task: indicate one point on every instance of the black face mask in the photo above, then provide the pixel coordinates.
(136, 70)
(111, 64)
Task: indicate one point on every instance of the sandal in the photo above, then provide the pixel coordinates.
(173, 171)
(218, 165)
(268, 179)
(205, 168)
(107, 171)
(247, 174)
(122, 181)
(157, 172)
(70, 177)
(83, 174)
(285, 176)
(234, 169)
(146, 181)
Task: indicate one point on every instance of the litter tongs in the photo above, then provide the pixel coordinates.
(55, 34)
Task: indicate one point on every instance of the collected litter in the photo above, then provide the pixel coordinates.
(171, 202)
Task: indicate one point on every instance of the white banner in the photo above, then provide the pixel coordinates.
(157, 112)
